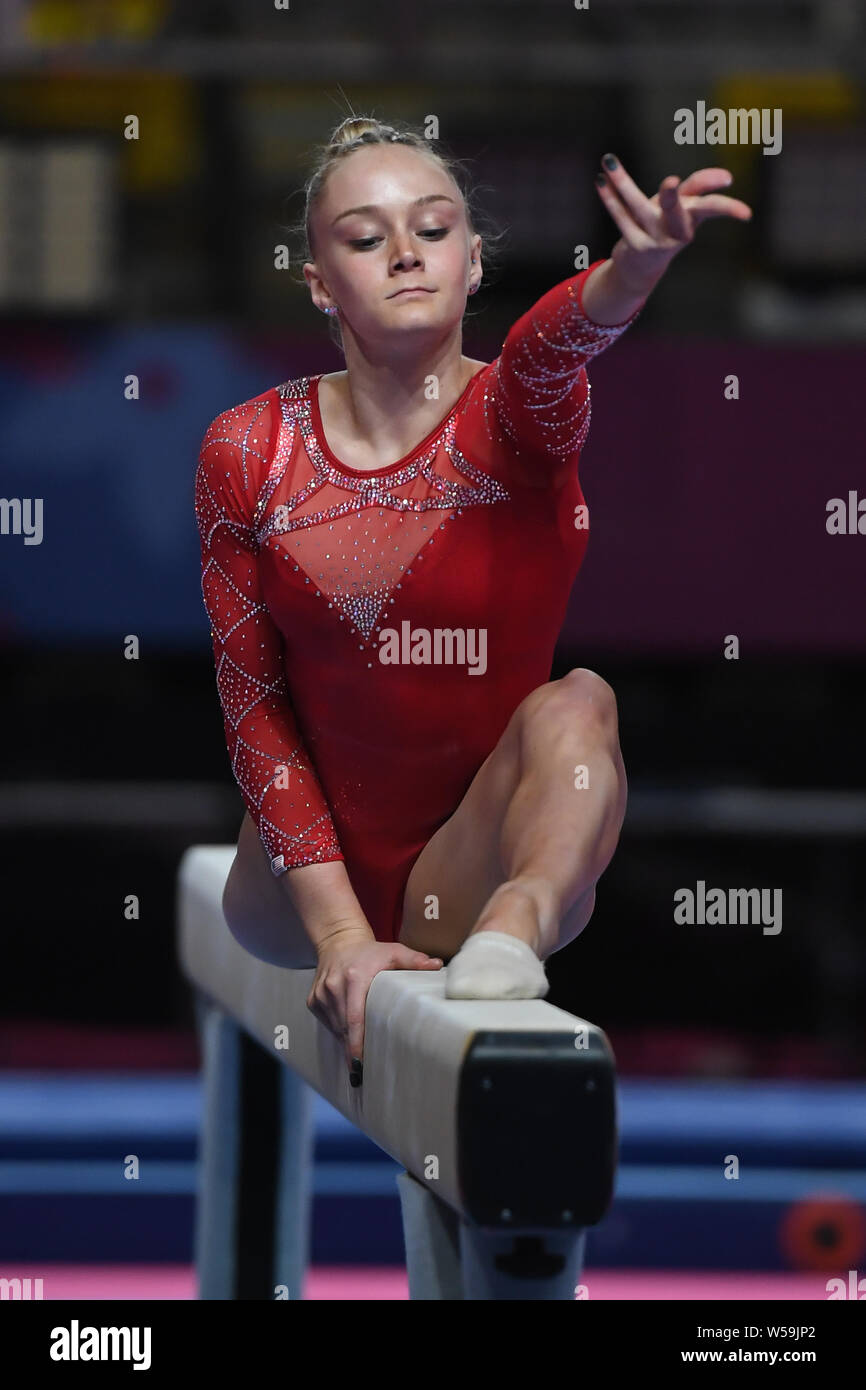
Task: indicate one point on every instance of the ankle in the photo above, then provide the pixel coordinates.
(540, 891)
(524, 907)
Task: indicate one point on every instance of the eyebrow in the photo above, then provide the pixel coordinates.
(373, 207)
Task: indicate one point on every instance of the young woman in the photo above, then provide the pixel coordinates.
(387, 555)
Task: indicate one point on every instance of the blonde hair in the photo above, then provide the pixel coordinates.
(353, 134)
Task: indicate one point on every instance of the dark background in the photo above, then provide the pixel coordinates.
(155, 257)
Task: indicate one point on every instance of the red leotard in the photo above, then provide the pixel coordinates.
(307, 564)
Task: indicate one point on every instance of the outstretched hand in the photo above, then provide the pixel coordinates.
(655, 229)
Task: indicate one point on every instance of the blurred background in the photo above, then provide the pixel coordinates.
(151, 156)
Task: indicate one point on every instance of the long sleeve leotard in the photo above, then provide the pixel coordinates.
(373, 633)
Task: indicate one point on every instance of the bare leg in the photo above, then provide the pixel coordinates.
(526, 846)
(521, 819)
(258, 912)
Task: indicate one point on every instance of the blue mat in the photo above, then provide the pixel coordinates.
(64, 1196)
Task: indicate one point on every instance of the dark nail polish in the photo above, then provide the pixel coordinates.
(356, 1074)
(600, 180)
(610, 161)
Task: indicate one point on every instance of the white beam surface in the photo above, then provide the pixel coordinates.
(504, 1108)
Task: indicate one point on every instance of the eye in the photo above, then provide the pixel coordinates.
(367, 242)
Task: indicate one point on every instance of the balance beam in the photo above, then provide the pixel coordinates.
(501, 1114)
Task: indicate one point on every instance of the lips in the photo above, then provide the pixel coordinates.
(411, 289)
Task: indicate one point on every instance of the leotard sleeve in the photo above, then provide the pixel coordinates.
(270, 763)
(540, 391)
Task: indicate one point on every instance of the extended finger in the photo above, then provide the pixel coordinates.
(631, 230)
(634, 198)
(717, 205)
(705, 180)
(356, 1004)
(673, 213)
(321, 1014)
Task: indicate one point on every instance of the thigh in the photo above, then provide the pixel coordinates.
(258, 910)
(460, 866)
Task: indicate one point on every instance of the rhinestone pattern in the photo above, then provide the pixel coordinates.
(268, 758)
(381, 523)
(268, 489)
(539, 386)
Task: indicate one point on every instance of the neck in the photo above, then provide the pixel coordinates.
(388, 405)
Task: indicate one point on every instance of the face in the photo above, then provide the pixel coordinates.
(410, 231)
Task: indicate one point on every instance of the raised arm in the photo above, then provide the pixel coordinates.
(271, 765)
(540, 392)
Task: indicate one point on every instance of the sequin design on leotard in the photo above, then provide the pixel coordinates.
(335, 756)
(356, 536)
(275, 777)
(540, 390)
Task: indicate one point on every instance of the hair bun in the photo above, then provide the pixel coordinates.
(355, 127)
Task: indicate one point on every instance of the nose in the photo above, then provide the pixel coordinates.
(405, 258)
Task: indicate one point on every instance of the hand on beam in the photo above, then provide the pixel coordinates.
(348, 962)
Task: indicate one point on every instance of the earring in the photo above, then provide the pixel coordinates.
(331, 309)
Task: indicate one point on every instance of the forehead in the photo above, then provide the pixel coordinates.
(385, 174)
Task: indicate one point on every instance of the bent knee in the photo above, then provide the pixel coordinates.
(249, 886)
(263, 922)
(241, 909)
(232, 899)
(241, 901)
(581, 698)
(589, 688)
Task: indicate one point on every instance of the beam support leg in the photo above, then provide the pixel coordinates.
(295, 1184)
(448, 1258)
(216, 1204)
(255, 1167)
(526, 1265)
(432, 1240)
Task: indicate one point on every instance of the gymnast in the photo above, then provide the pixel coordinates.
(419, 812)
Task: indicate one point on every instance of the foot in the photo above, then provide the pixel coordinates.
(498, 960)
